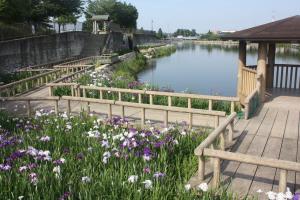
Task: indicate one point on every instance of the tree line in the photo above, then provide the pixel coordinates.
(37, 16)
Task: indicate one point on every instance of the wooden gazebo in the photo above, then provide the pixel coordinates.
(255, 80)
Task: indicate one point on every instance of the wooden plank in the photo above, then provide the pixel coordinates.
(245, 173)
(264, 176)
(288, 152)
(292, 125)
(267, 123)
(256, 121)
(279, 124)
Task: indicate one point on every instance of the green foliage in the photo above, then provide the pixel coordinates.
(84, 158)
(129, 69)
(164, 51)
(14, 76)
(160, 34)
(62, 91)
(37, 12)
(122, 13)
(210, 36)
(185, 33)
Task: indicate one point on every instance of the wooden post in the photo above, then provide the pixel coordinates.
(72, 90)
(50, 91)
(120, 96)
(123, 112)
(140, 98)
(282, 180)
(56, 107)
(166, 118)
(68, 107)
(242, 64)
(262, 68)
(271, 63)
(217, 172)
(88, 108)
(142, 117)
(28, 109)
(210, 104)
(151, 99)
(169, 101)
(101, 94)
(232, 107)
(84, 92)
(201, 168)
(109, 111)
(189, 103)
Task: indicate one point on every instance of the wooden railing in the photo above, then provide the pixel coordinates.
(110, 103)
(248, 82)
(82, 61)
(286, 76)
(48, 65)
(36, 81)
(214, 149)
(28, 101)
(252, 102)
(82, 91)
(74, 75)
(28, 84)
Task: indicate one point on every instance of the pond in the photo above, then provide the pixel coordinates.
(202, 69)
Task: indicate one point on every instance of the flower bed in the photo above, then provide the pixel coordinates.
(82, 157)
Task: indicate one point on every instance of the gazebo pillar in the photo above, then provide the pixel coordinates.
(262, 68)
(271, 63)
(242, 64)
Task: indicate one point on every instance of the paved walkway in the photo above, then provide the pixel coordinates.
(272, 133)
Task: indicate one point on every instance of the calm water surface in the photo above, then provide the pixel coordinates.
(201, 69)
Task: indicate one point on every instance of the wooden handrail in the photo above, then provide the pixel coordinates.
(158, 93)
(28, 79)
(214, 135)
(254, 160)
(29, 98)
(249, 70)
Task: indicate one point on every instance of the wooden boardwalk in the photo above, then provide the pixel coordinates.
(272, 133)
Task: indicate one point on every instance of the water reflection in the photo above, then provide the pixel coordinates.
(204, 69)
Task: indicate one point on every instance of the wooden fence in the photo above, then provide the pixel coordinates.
(110, 103)
(216, 151)
(286, 76)
(248, 82)
(144, 97)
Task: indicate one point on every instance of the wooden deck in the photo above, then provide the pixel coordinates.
(272, 133)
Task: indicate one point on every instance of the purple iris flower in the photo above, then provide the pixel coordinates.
(65, 196)
(147, 170)
(159, 144)
(147, 151)
(296, 196)
(159, 175)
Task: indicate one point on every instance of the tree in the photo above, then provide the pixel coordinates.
(37, 12)
(160, 33)
(121, 13)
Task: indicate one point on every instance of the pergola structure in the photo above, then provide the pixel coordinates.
(100, 23)
(266, 74)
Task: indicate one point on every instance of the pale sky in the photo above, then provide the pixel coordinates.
(211, 15)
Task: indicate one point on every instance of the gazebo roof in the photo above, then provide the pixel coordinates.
(285, 30)
(100, 17)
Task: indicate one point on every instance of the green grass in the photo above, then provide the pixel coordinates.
(164, 51)
(84, 157)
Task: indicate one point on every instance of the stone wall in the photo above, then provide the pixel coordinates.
(46, 49)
